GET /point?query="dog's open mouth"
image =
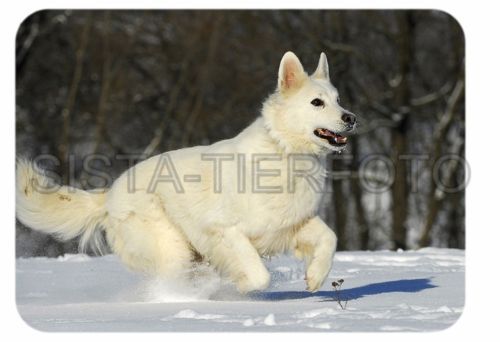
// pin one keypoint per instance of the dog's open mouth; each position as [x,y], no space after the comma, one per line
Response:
[333,139]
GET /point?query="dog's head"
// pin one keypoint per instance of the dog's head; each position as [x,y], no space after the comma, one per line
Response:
[305,111]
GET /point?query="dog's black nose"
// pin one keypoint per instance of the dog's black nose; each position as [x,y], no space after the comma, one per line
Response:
[349,119]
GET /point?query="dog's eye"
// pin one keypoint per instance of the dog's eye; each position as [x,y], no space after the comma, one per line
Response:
[317,103]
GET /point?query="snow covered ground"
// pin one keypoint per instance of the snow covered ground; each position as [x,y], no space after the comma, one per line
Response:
[385,291]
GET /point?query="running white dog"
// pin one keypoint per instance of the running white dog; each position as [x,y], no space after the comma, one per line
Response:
[230,202]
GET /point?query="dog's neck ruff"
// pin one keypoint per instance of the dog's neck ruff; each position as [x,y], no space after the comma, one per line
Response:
[274,136]
[285,141]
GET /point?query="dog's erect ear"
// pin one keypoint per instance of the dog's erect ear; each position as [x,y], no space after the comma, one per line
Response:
[291,74]
[322,69]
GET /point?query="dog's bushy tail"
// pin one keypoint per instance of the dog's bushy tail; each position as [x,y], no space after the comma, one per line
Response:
[64,211]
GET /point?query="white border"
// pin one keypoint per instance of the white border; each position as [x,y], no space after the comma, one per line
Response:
[479,22]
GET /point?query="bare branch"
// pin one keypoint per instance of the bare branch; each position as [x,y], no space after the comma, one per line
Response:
[432,97]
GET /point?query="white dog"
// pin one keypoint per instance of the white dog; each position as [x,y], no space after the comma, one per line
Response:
[230,202]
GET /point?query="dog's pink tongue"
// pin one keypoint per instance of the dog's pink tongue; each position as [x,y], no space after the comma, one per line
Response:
[340,139]
[328,133]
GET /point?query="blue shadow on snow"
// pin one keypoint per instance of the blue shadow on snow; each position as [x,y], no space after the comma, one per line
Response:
[403,285]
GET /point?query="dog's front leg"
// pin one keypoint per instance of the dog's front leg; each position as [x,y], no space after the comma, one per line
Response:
[316,243]
[232,253]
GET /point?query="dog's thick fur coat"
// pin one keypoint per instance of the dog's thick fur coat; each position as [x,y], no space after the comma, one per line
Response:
[162,224]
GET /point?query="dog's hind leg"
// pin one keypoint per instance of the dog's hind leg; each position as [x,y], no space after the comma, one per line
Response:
[151,246]
[140,233]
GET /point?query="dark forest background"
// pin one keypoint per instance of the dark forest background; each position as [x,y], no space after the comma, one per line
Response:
[144,82]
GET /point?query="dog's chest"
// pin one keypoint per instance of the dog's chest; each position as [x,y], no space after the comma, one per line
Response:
[302,199]
[290,199]
[275,224]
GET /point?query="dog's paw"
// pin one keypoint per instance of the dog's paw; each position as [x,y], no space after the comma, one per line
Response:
[254,282]
[298,254]
[316,274]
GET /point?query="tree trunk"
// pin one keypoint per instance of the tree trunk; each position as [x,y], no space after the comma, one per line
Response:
[399,189]
[72,91]
[435,202]
[105,84]
[456,221]
[441,130]
[339,206]
[357,192]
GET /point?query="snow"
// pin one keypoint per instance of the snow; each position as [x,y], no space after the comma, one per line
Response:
[382,291]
